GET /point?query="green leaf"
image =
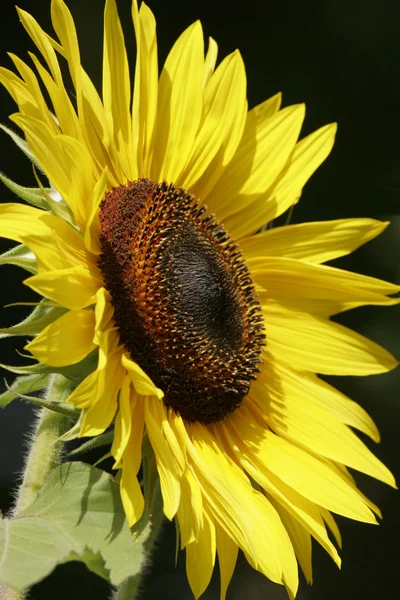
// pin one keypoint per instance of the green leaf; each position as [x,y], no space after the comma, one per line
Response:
[35,322]
[77,515]
[23,385]
[21,143]
[20,256]
[33,196]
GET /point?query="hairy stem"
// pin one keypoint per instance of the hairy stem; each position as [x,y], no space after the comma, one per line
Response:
[44,454]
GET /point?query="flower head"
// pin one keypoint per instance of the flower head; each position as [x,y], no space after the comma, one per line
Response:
[209,330]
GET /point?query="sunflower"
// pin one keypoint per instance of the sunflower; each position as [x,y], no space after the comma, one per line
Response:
[209,329]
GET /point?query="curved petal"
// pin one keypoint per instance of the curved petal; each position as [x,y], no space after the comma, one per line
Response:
[117,90]
[141,381]
[145,96]
[74,287]
[307,156]
[169,468]
[180,104]
[321,346]
[317,242]
[221,129]
[263,153]
[227,552]
[309,476]
[66,341]
[200,557]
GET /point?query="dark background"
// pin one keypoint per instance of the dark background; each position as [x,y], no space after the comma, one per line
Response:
[341,58]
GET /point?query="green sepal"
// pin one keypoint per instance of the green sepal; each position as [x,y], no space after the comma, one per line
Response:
[24,385]
[60,209]
[59,407]
[21,143]
[77,515]
[35,322]
[20,256]
[75,373]
[104,439]
[33,196]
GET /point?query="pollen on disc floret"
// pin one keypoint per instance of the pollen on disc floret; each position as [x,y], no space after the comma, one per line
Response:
[184,302]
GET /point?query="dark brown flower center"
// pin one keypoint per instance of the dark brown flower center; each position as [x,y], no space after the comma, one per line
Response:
[183,299]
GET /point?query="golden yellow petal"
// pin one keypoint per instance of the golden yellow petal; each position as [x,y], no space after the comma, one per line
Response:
[227,490]
[300,539]
[66,341]
[141,381]
[200,557]
[74,287]
[264,150]
[316,242]
[295,417]
[300,286]
[180,104]
[307,156]
[320,346]
[145,96]
[131,493]
[168,467]
[123,421]
[63,107]
[101,412]
[309,476]
[225,111]
[282,381]
[227,552]
[211,60]
[117,90]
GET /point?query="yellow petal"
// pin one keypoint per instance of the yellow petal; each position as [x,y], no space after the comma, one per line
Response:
[85,392]
[144,108]
[141,382]
[227,490]
[300,539]
[200,558]
[316,242]
[169,470]
[299,285]
[179,104]
[101,411]
[103,312]
[40,109]
[280,379]
[263,153]
[227,552]
[131,493]
[210,61]
[301,509]
[317,345]
[66,341]
[64,109]
[190,511]
[307,156]
[117,89]
[295,417]
[225,109]
[73,288]
[55,243]
[92,229]
[123,421]
[312,478]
